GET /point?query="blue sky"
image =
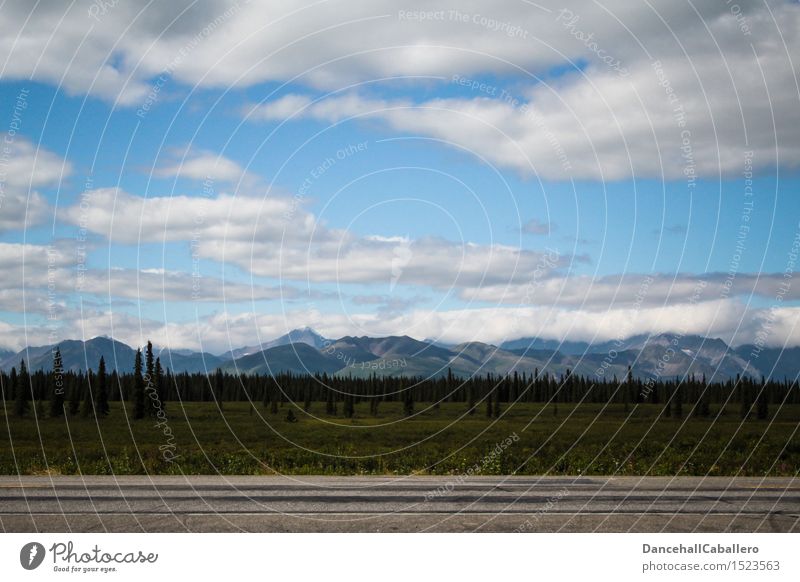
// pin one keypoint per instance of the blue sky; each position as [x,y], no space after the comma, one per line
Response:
[429,177]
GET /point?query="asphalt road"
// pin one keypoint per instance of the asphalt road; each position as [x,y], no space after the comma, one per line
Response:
[401,504]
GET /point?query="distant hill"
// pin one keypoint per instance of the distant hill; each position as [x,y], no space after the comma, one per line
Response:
[303,335]
[298,358]
[665,355]
[76,355]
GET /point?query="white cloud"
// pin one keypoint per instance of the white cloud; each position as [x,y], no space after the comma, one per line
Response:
[727,319]
[23,168]
[276,237]
[730,81]
[204,166]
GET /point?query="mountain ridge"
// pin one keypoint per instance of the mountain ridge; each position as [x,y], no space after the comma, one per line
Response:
[306,351]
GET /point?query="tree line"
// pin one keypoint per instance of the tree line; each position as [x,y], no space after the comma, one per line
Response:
[149,387]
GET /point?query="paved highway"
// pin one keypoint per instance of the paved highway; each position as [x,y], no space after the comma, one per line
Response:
[401,504]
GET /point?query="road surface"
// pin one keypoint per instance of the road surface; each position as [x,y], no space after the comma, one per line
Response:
[400,504]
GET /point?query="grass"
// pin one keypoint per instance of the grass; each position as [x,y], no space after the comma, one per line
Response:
[245,440]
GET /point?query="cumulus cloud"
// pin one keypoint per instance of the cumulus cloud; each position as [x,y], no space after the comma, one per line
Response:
[730,73]
[276,237]
[727,319]
[24,168]
[203,166]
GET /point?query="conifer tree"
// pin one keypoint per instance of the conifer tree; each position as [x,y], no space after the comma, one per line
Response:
[408,402]
[762,406]
[101,404]
[22,400]
[57,386]
[219,386]
[87,406]
[158,383]
[75,393]
[138,395]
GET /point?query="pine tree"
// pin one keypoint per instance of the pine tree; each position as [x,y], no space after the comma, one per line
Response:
[762,407]
[138,388]
[471,398]
[744,398]
[679,400]
[349,406]
[22,400]
[159,385]
[12,379]
[87,406]
[57,386]
[101,405]
[219,386]
[75,393]
[151,403]
[408,403]
[330,406]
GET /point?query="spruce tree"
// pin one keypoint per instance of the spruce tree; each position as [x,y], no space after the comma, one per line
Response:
[219,386]
[12,379]
[138,388]
[158,384]
[744,397]
[349,406]
[57,386]
[75,393]
[408,403]
[330,407]
[101,404]
[762,407]
[151,403]
[22,400]
[87,406]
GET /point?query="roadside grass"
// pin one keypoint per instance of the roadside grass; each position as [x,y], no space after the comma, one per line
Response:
[249,440]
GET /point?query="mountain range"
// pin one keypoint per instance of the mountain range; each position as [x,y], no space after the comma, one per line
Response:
[305,351]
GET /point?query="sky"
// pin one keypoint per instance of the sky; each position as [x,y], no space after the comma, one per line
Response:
[214,174]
